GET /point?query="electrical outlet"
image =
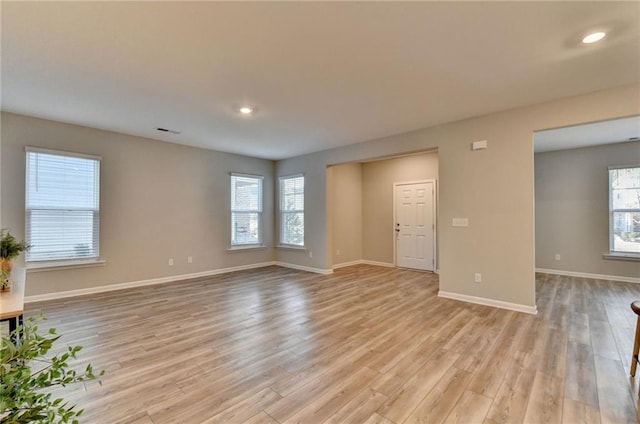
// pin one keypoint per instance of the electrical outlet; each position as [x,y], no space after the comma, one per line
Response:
[189,260]
[170,261]
[338,252]
[557,256]
[477,277]
[310,254]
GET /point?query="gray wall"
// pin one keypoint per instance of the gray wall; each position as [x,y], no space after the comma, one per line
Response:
[347,213]
[493,188]
[572,209]
[161,200]
[158,201]
[378,178]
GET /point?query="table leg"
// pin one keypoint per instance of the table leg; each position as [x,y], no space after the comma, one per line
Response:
[636,349]
[14,323]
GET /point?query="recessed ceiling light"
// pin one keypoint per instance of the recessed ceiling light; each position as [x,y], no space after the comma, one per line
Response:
[246,110]
[593,37]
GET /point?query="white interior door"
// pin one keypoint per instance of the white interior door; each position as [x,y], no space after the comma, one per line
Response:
[415,225]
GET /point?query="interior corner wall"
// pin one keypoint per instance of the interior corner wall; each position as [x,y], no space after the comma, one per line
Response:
[158,201]
[346,213]
[1,172]
[493,188]
[572,209]
[378,178]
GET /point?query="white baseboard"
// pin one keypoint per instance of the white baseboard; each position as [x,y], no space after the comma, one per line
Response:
[588,275]
[489,302]
[350,263]
[376,263]
[364,262]
[305,268]
[141,283]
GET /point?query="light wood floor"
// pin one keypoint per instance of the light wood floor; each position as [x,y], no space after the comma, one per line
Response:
[366,344]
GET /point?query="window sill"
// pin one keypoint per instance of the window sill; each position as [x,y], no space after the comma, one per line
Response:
[60,265]
[634,257]
[245,248]
[291,247]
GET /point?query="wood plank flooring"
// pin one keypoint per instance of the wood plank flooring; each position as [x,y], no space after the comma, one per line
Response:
[364,345]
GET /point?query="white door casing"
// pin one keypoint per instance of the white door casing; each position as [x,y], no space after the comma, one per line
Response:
[414,226]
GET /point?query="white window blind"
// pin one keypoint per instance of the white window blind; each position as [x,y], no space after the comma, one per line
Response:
[292,210]
[624,209]
[246,209]
[62,205]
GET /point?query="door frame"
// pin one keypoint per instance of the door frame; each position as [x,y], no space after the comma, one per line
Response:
[435,220]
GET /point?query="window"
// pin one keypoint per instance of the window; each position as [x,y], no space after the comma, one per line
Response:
[624,210]
[292,210]
[246,210]
[62,205]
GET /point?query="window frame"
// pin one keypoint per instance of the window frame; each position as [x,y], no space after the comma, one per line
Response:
[96,212]
[282,212]
[612,210]
[260,211]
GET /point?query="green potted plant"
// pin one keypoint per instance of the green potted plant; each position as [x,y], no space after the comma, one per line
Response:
[27,374]
[10,248]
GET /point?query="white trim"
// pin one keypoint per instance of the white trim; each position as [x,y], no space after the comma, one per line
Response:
[245,247]
[614,256]
[376,263]
[32,149]
[286,176]
[240,174]
[291,247]
[490,302]
[39,266]
[350,263]
[141,283]
[589,275]
[623,166]
[363,262]
[305,268]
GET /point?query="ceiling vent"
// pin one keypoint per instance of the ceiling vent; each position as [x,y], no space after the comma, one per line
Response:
[167,130]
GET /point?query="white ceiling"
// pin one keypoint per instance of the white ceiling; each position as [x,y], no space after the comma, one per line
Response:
[592,134]
[321,74]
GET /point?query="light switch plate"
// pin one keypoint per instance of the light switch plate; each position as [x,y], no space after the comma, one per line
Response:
[479,145]
[460,222]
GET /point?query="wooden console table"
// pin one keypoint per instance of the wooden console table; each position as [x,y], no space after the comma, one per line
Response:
[12,302]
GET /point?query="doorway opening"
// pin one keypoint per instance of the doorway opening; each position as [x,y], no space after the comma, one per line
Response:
[587,200]
[362,216]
